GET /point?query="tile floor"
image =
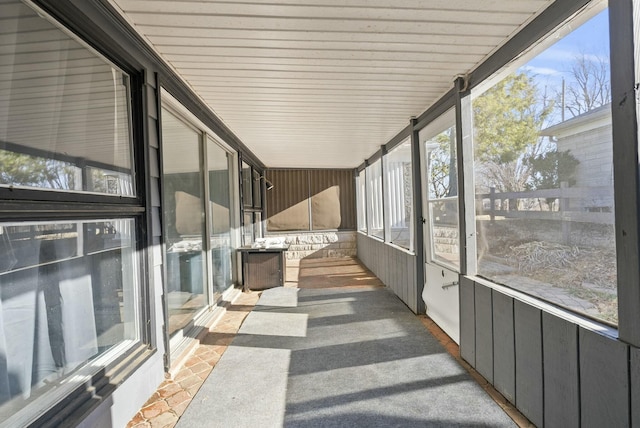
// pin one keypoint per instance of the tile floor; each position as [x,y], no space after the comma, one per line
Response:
[168,403]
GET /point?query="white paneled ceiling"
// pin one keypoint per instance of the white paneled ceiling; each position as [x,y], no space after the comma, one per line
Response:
[323,83]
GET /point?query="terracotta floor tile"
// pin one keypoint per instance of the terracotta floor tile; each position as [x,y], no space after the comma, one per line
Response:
[194,360]
[143,424]
[204,375]
[200,367]
[192,390]
[182,375]
[203,348]
[211,358]
[218,339]
[179,409]
[165,420]
[137,419]
[169,390]
[178,398]
[165,383]
[154,409]
[190,381]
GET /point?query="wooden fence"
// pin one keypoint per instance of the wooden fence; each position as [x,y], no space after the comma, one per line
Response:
[571,205]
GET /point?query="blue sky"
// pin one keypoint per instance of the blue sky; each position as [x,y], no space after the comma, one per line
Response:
[592,38]
[553,64]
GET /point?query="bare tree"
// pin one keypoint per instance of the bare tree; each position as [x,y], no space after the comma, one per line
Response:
[589,85]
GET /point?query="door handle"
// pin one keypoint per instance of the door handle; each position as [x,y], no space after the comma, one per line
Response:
[449,284]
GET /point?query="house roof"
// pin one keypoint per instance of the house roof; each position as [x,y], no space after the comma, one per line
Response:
[596,118]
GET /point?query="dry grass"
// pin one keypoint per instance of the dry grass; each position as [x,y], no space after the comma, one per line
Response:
[586,270]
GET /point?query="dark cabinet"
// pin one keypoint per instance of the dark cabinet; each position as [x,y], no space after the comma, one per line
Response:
[263,267]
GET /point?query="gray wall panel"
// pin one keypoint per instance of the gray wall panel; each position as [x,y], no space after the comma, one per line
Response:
[154,189]
[152,129]
[394,267]
[156,228]
[154,163]
[604,381]
[635,387]
[152,106]
[467,321]
[528,341]
[561,373]
[412,284]
[484,332]
[504,373]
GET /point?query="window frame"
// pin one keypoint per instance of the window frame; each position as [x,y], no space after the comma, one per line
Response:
[24,205]
[389,196]
[437,123]
[371,200]
[524,46]
[180,339]
[361,206]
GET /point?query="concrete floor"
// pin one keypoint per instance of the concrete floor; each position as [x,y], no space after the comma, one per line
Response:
[332,348]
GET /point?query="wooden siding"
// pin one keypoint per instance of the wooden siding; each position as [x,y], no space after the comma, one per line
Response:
[330,194]
[322,179]
[565,375]
[287,202]
[395,268]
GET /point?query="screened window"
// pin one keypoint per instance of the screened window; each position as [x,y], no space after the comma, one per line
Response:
[544,174]
[375,214]
[438,141]
[361,184]
[399,188]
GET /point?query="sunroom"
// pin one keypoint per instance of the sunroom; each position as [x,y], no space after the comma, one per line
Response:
[480,158]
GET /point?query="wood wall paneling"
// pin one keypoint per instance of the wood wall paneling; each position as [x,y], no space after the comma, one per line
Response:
[467,321]
[287,202]
[504,346]
[484,332]
[561,372]
[322,181]
[528,346]
[604,381]
[329,193]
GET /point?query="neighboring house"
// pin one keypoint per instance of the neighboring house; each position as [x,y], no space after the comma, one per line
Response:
[588,138]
